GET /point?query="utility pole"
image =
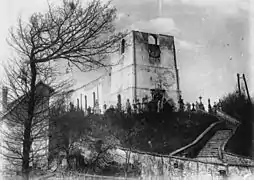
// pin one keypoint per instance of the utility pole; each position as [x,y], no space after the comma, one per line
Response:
[246,87]
[238,83]
[245,84]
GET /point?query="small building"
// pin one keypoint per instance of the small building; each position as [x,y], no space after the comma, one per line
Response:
[12,127]
[145,61]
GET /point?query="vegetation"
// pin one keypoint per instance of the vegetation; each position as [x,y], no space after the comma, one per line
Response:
[161,132]
[74,35]
[145,129]
[239,107]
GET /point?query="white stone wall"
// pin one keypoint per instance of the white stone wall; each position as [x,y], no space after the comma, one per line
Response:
[157,167]
[149,74]
[134,62]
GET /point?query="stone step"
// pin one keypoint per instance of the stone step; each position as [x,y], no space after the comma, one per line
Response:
[212,146]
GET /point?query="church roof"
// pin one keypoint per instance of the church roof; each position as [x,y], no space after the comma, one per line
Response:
[92,83]
[12,105]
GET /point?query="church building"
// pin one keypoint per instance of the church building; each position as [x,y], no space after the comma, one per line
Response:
[144,62]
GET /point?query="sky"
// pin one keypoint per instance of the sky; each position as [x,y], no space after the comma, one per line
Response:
[212,38]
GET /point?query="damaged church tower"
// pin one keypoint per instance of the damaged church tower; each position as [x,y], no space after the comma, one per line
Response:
[145,62]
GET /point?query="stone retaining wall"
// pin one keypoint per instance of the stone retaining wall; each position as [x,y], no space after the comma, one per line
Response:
[236,159]
[157,168]
[163,167]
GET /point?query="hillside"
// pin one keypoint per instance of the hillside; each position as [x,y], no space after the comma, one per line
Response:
[162,132]
[239,107]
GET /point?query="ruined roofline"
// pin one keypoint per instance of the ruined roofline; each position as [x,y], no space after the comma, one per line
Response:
[160,34]
[96,81]
[16,102]
[147,32]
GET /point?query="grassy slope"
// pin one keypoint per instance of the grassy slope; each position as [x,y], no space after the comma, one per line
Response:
[174,132]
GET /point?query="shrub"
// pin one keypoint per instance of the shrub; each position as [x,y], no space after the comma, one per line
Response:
[240,108]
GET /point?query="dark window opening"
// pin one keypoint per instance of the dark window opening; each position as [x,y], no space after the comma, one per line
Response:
[122,50]
[153,49]
[175,165]
[222,172]
[152,39]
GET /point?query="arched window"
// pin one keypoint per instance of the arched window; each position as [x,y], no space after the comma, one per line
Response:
[153,49]
[122,46]
[152,39]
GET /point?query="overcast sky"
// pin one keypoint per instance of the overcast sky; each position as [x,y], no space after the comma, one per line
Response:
[212,37]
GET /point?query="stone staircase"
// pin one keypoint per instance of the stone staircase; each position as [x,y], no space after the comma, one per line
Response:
[212,147]
[209,146]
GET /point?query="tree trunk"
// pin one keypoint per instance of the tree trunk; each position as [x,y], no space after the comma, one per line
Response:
[68,160]
[127,163]
[27,125]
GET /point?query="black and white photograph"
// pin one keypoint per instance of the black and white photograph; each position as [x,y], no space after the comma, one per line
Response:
[127,90]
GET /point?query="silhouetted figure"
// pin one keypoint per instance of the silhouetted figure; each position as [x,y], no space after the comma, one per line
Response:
[163,103]
[119,103]
[105,107]
[89,110]
[128,106]
[71,107]
[144,102]
[193,107]
[181,104]
[201,106]
[215,107]
[209,106]
[138,106]
[134,106]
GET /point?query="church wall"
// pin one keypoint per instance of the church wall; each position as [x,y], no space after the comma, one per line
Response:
[104,90]
[151,70]
[122,80]
[122,60]
[89,94]
[134,72]
[81,93]
[101,87]
[122,75]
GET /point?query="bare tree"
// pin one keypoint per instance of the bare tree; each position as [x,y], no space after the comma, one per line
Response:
[81,37]
[74,134]
[16,114]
